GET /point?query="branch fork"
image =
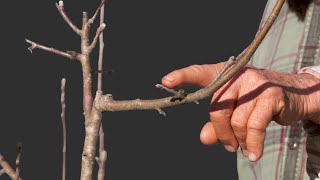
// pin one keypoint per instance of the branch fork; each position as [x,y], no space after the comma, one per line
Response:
[7,169]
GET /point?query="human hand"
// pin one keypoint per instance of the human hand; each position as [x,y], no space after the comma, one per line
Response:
[241,110]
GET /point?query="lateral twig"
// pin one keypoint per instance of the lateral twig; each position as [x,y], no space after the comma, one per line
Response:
[178,95]
[91,20]
[95,39]
[226,66]
[60,8]
[72,56]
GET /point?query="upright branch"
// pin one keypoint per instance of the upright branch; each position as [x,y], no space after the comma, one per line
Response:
[64,129]
[102,164]
[19,152]
[101,160]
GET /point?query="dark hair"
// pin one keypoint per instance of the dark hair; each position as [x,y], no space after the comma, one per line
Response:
[299,7]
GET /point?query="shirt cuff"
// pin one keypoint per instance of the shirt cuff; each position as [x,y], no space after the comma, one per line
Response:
[313,70]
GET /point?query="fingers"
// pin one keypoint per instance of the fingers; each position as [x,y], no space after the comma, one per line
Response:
[208,135]
[195,75]
[256,128]
[239,122]
[220,115]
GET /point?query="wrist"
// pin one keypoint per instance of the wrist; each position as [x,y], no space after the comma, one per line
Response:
[310,96]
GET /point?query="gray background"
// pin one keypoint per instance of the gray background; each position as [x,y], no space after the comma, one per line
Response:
[145,39]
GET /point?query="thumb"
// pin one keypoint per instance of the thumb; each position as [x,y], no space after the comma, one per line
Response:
[208,135]
[195,75]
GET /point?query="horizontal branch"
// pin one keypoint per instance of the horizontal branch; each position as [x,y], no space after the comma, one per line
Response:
[60,8]
[107,103]
[70,54]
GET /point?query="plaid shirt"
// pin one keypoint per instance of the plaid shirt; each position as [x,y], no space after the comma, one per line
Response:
[291,152]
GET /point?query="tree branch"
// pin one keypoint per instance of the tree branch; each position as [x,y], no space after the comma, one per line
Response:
[60,8]
[106,102]
[2,171]
[70,54]
[101,48]
[93,109]
[19,152]
[63,120]
[102,159]
[7,168]
[95,39]
[91,20]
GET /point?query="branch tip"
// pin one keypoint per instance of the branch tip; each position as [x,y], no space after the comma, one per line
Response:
[91,20]
[63,81]
[161,112]
[231,60]
[34,45]
[60,8]
[103,25]
[61,4]
[96,37]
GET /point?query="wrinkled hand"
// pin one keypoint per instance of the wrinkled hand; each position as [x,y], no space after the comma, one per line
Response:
[242,109]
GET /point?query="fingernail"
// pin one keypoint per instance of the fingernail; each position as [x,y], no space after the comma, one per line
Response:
[229,148]
[252,157]
[168,78]
[245,152]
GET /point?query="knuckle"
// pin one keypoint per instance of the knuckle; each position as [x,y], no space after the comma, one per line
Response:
[237,125]
[256,125]
[197,68]
[254,76]
[220,115]
[242,142]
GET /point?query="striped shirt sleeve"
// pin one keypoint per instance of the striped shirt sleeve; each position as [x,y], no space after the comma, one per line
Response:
[314,70]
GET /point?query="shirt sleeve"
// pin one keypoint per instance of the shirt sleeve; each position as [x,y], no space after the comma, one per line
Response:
[314,70]
[313,134]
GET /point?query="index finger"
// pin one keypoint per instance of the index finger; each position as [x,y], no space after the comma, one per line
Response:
[195,75]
